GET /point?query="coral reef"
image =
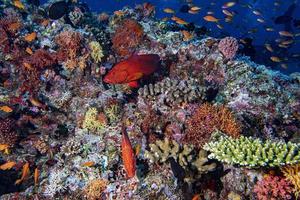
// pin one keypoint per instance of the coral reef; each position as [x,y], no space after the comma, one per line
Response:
[250,152]
[206,119]
[273,187]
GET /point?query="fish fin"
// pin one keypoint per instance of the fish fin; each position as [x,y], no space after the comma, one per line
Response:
[135,76]
[133,84]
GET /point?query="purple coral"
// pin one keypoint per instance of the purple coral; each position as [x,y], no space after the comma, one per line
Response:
[273,187]
[228,47]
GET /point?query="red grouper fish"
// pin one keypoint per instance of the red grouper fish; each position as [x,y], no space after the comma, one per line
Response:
[128,155]
[132,69]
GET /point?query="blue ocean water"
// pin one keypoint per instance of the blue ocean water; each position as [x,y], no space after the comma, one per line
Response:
[244,24]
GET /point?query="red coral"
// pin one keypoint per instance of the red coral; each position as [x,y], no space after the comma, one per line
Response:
[40,59]
[205,120]
[127,37]
[32,67]
[229,47]
[273,188]
[69,44]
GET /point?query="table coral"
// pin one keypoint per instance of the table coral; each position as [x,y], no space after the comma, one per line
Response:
[250,152]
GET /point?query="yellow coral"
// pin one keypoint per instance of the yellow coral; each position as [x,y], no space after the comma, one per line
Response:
[292,174]
[95,189]
[97,51]
[91,121]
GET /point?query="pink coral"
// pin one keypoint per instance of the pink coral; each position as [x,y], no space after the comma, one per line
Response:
[228,47]
[273,188]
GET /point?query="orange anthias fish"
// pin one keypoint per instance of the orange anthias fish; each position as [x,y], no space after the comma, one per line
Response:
[128,155]
[36,176]
[6,109]
[133,69]
[25,173]
[8,165]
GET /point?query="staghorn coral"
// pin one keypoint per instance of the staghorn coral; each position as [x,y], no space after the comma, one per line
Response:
[162,150]
[273,188]
[170,92]
[250,152]
[228,47]
[92,122]
[292,174]
[96,51]
[127,37]
[95,189]
[205,120]
[8,136]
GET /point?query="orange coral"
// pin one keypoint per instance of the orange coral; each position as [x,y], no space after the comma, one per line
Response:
[95,188]
[70,50]
[127,37]
[206,119]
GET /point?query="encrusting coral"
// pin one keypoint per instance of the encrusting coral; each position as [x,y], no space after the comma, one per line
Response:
[208,118]
[250,152]
[292,174]
[273,188]
[162,150]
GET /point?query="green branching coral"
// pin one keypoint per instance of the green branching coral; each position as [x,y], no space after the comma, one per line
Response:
[250,152]
[96,51]
[91,121]
[162,150]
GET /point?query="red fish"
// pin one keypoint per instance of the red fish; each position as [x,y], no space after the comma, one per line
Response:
[128,156]
[132,69]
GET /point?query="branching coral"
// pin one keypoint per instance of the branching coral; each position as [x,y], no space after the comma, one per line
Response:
[292,174]
[127,37]
[162,150]
[206,119]
[250,152]
[273,188]
[92,122]
[95,189]
[96,51]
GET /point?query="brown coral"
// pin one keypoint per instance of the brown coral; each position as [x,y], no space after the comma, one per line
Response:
[95,188]
[127,37]
[8,135]
[206,119]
